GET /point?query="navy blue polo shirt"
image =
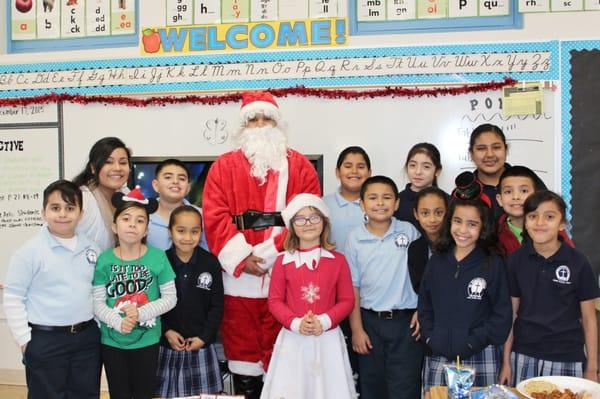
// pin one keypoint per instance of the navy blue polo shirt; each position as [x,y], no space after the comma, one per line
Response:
[407,203]
[550,290]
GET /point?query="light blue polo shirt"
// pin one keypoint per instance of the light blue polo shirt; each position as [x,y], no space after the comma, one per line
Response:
[54,282]
[345,216]
[158,231]
[379,266]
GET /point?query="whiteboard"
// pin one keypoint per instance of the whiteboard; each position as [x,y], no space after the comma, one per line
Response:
[385,127]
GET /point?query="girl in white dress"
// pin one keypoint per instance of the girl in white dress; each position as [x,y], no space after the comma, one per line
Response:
[310,293]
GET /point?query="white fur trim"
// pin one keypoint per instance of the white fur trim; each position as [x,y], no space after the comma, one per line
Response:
[325,321]
[235,251]
[306,257]
[246,285]
[266,250]
[245,368]
[282,183]
[131,199]
[301,201]
[260,107]
[295,325]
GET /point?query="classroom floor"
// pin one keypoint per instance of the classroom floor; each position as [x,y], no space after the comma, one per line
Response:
[20,392]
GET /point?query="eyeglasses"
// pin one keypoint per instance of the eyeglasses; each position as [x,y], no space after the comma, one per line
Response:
[301,220]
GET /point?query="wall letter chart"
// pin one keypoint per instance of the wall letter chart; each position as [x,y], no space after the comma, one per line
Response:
[68,19]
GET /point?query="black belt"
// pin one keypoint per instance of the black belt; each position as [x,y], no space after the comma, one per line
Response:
[391,314]
[75,328]
[257,220]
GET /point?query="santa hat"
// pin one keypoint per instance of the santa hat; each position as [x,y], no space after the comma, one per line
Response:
[120,199]
[301,201]
[259,102]
[469,188]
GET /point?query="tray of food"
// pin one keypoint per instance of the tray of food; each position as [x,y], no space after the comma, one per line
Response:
[559,388]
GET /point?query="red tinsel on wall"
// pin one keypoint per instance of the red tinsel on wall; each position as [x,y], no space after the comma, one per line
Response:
[236,97]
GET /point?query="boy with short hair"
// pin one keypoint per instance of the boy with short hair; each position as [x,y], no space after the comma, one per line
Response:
[172,183]
[383,322]
[515,185]
[48,302]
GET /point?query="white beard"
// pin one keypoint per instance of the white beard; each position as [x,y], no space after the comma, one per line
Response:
[265,148]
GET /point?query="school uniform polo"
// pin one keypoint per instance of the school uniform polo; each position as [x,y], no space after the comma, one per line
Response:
[50,286]
[53,282]
[345,216]
[158,231]
[407,202]
[199,308]
[550,290]
[379,266]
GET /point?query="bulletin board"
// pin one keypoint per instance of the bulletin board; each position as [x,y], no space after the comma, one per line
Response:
[31,152]
[378,17]
[51,25]
[580,65]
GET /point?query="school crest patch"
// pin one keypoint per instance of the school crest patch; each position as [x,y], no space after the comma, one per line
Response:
[91,256]
[563,274]
[204,281]
[402,240]
[476,288]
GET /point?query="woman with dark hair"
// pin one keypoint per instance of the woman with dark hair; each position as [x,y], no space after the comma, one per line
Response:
[105,172]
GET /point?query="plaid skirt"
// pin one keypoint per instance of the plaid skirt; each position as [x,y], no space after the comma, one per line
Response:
[486,363]
[188,373]
[524,367]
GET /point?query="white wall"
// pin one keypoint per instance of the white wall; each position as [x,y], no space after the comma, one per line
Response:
[556,26]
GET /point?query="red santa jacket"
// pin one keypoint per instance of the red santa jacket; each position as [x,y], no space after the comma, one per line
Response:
[231,190]
[509,241]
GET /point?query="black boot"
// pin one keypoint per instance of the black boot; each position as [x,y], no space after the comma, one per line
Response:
[247,385]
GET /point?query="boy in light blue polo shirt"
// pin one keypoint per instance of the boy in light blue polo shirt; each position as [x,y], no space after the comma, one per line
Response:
[48,302]
[353,167]
[172,183]
[383,322]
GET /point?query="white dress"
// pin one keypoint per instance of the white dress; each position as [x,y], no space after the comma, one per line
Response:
[309,367]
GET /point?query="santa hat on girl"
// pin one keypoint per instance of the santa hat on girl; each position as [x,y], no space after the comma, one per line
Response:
[301,201]
[120,200]
[259,102]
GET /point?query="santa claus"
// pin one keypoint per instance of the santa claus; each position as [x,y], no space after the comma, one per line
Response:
[245,191]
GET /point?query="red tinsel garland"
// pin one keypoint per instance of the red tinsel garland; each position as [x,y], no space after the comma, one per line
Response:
[236,97]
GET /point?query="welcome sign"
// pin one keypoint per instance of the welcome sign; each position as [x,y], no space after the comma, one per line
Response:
[245,36]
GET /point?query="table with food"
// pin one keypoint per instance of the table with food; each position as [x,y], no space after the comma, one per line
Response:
[534,388]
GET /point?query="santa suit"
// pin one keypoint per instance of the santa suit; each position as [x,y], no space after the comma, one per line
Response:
[248,329]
